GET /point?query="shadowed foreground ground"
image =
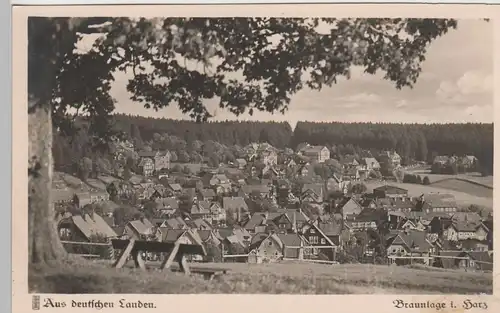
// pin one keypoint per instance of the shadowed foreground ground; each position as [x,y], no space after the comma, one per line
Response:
[260,278]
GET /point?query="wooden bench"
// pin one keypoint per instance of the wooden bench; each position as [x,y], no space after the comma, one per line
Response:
[176,251]
[208,273]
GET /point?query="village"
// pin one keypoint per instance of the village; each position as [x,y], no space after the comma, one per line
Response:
[274,206]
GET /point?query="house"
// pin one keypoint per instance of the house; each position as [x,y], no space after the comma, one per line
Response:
[316,153]
[219,182]
[472,245]
[265,248]
[174,189]
[390,157]
[409,243]
[85,228]
[315,236]
[166,206]
[313,193]
[240,163]
[236,206]
[290,243]
[142,229]
[348,207]
[206,194]
[469,161]
[241,235]
[305,170]
[439,224]
[349,161]
[269,158]
[62,196]
[453,259]
[147,162]
[388,191]
[175,223]
[261,191]
[121,189]
[441,159]
[283,221]
[435,205]
[183,236]
[462,230]
[351,174]
[370,164]
[337,231]
[199,224]
[81,199]
[396,219]
[217,213]
[200,209]
[209,237]
[162,160]
[368,219]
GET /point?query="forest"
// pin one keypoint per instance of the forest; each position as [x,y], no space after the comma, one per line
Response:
[421,142]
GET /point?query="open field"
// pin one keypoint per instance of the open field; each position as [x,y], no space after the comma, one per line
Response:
[464,186]
[462,198]
[473,177]
[296,278]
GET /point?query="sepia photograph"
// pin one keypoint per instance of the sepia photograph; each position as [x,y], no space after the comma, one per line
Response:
[259,155]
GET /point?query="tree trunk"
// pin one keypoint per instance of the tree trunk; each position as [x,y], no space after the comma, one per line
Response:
[43,240]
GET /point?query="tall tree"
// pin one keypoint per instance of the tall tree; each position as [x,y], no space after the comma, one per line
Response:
[303,57]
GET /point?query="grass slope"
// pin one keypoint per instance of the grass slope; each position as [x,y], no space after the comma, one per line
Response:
[286,278]
[465,187]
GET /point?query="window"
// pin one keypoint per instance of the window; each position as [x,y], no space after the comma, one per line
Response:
[313,231]
[313,239]
[323,241]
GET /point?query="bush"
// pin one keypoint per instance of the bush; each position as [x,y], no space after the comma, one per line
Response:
[426,181]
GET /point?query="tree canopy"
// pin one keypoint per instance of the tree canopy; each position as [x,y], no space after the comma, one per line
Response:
[247,64]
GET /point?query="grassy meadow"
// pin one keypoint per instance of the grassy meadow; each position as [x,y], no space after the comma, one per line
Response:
[273,278]
[463,198]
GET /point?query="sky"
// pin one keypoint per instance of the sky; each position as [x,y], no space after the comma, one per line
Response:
[455,86]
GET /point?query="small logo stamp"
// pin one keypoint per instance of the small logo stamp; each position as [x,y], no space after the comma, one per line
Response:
[35,303]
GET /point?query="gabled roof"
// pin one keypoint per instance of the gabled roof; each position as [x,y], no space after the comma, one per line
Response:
[234,203]
[391,189]
[331,229]
[146,154]
[316,188]
[249,189]
[201,207]
[208,193]
[370,161]
[92,226]
[59,195]
[466,226]
[172,235]
[255,220]
[414,240]
[143,227]
[175,187]
[175,223]
[199,223]
[167,203]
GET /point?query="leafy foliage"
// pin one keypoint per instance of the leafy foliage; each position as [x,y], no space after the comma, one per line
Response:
[276,56]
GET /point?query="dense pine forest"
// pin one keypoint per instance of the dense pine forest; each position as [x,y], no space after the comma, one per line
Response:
[412,141]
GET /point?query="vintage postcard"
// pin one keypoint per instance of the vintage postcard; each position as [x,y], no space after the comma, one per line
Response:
[179,153]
